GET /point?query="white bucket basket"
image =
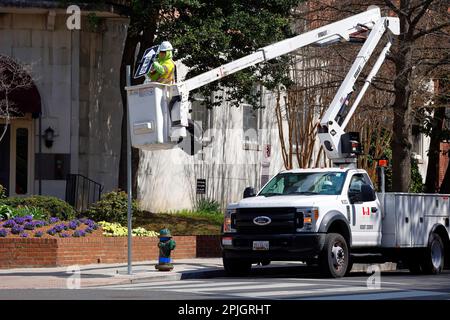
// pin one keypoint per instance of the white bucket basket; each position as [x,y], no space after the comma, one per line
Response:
[149,116]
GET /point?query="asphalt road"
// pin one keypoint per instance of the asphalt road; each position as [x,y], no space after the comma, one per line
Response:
[299,283]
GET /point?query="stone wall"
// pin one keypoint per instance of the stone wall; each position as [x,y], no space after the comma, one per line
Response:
[77,73]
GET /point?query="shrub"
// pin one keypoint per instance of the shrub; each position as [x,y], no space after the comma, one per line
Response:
[207,205]
[5,212]
[48,206]
[2,192]
[112,207]
[3,233]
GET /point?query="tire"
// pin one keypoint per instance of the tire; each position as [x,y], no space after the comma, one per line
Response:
[433,260]
[334,258]
[236,267]
[349,266]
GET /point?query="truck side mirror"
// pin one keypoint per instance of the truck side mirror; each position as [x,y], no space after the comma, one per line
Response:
[367,193]
[249,192]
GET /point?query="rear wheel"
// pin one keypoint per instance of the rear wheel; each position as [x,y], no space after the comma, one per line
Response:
[350,265]
[334,258]
[236,267]
[433,261]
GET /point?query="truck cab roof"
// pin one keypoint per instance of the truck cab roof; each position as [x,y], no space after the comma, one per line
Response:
[321,170]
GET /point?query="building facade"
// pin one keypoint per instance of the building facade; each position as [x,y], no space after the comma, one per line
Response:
[76,74]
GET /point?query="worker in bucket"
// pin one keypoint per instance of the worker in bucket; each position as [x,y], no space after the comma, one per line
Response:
[163,68]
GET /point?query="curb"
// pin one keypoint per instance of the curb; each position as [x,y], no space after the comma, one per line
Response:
[167,276]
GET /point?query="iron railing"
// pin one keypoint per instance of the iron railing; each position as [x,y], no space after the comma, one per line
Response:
[81,191]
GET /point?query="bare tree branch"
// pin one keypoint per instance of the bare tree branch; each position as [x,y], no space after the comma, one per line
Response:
[419,16]
[431,30]
[392,6]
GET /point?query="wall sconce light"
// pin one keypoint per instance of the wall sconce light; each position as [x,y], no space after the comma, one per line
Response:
[49,135]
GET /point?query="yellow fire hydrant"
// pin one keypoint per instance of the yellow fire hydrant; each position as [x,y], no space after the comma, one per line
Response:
[166,245]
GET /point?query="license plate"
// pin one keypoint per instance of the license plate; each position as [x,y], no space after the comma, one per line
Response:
[260,245]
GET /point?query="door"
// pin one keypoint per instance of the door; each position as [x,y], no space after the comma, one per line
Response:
[365,216]
[4,157]
[22,158]
[17,157]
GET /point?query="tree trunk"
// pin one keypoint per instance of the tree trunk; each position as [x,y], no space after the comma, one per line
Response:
[431,182]
[402,127]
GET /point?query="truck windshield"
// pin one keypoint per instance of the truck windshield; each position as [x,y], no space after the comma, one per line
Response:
[305,183]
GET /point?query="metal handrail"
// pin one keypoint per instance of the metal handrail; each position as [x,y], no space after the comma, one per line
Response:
[82,191]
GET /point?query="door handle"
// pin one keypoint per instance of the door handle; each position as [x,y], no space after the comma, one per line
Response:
[406,219]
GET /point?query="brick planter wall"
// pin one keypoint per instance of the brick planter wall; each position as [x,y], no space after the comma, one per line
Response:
[17,253]
[208,247]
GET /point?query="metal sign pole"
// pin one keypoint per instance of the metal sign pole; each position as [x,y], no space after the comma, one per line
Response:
[128,75]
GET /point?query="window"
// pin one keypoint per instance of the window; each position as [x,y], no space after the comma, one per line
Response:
[305,183]
[417,142]
[357,181]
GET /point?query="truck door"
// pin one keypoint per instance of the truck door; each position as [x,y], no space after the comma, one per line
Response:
[365,217]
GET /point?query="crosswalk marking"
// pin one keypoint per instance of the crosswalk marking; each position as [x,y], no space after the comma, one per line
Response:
[172,286]
[295,293]
[291,289]
[240,287]
[379,296]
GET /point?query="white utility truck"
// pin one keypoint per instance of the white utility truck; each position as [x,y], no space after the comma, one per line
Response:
[326,216]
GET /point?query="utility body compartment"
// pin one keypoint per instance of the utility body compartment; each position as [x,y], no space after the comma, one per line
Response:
[408,219]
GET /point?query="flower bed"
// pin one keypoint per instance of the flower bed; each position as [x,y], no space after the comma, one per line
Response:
[25,242]
[27,227]
[51,252]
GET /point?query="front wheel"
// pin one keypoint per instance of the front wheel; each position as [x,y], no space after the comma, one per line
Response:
[236,267]
[433,261]
[334,258]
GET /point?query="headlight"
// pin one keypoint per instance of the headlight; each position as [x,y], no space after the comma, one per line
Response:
[310,216]
[229,219]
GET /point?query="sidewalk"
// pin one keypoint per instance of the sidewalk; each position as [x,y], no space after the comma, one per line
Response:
[107,274]
[113,274]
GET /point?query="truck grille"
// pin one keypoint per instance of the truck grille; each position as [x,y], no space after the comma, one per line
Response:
[283,220]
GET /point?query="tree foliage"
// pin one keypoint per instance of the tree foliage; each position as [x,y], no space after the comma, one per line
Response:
[208,34]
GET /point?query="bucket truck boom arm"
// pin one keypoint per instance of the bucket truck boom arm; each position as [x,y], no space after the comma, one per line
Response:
[336,117]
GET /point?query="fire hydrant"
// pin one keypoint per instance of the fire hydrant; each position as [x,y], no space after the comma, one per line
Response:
[166,245]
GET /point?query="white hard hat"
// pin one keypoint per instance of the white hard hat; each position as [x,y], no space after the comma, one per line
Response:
[165,46]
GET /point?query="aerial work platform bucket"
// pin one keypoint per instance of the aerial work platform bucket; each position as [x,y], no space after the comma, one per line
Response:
[149,116]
